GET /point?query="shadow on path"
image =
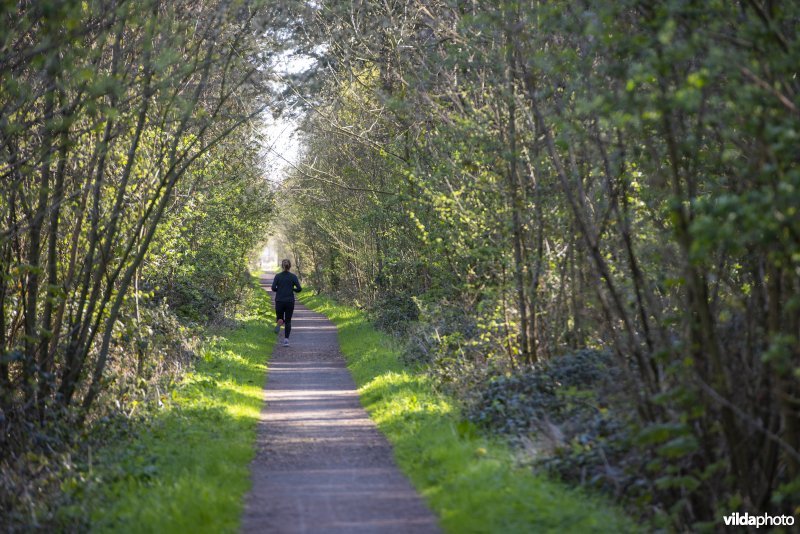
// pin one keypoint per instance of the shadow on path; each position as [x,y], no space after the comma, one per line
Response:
[321,463]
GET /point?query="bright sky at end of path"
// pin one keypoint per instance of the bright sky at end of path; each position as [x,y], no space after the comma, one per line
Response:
[283,146]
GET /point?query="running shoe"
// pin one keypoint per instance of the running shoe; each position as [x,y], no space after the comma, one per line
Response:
[285,342]
[278,326]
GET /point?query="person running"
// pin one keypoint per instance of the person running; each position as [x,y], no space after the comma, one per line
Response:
[285,285]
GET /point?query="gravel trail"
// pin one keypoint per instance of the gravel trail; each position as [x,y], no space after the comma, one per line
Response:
[321,464]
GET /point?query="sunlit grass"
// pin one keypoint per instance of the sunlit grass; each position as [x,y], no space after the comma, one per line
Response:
[189,470]
[470,481]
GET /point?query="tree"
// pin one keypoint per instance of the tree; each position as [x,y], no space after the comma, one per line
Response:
[109,109]
[612,175]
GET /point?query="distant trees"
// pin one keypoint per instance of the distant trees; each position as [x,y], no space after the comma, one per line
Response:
[560,175]
[121,145]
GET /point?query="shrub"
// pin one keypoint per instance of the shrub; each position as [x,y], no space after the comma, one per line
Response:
[443,335]
[565,416]
[48,463]
[394,313]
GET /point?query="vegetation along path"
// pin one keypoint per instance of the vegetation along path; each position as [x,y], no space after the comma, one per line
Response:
[321,464]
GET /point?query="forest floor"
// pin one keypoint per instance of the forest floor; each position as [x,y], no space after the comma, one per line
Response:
[214,458]
[321,464]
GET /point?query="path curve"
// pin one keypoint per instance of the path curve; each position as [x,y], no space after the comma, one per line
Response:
[321,464]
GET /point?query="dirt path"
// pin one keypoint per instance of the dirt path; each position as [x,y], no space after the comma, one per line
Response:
[321,464]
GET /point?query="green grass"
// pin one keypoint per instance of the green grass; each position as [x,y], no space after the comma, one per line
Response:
[190,471]
[470,481]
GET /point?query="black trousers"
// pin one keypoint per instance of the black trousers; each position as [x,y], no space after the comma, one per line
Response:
[284,310]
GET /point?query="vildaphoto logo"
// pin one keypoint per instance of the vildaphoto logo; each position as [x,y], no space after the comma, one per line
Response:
[764,520]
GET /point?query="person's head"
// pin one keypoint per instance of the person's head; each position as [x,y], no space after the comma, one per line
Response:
[286,265]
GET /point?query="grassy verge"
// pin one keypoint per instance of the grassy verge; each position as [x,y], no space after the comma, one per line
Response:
[471,482]
[188,470]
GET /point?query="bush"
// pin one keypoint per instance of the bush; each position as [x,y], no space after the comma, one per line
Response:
[47,465]
[394,313]
[565,416]
[441,335]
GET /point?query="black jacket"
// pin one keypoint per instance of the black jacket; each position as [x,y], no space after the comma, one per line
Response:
[285,284]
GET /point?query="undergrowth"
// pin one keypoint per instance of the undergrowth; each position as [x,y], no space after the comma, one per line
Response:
[187,469]
[471,481]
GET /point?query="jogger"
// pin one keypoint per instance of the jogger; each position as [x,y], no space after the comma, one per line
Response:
[285,285]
